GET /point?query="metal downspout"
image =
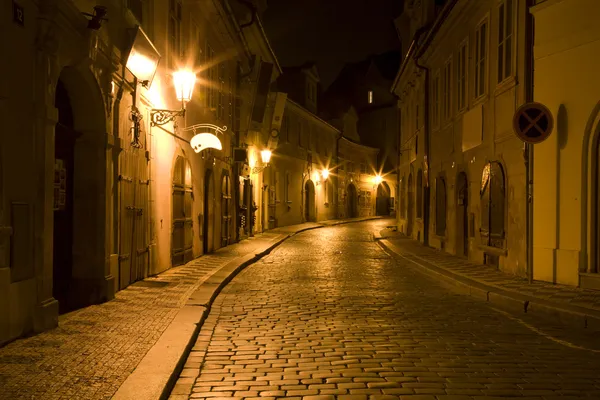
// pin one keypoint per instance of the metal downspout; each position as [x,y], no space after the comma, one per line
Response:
[529,78]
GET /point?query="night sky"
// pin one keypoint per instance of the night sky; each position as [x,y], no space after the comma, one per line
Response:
[330,32]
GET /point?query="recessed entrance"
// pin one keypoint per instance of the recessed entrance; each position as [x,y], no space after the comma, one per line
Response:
[462,215]
[351,201]
[209,218]
[309,201]
[383,199]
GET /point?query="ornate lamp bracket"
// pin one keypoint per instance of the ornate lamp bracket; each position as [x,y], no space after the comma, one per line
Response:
[162,117]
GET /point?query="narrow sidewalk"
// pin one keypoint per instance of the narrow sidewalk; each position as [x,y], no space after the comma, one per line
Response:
[144,331]
[571,305]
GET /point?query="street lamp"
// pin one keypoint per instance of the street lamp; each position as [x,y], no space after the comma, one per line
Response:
[325,174]
[378,179]
[184,81]
[265,156]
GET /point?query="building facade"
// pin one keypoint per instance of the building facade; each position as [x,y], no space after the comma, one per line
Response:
[462,170]
[565,179]
[117,192]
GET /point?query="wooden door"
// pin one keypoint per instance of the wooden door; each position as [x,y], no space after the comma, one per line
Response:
[133,217]
[182,233]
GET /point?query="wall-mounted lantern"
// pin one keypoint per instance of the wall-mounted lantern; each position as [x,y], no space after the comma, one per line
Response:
[143,58]
[325,174]
[184,82]
[377,179]
[265,156]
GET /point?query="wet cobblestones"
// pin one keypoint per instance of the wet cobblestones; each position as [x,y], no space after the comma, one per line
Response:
[329,315]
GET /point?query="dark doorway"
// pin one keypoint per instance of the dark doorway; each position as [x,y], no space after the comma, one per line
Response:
[64,154]
[383,199]
[410,206]
[209,218]
[225,211]
[309,201]
[462,215]
[351,201]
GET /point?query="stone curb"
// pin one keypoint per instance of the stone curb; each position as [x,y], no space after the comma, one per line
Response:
[515,302]
[156,375]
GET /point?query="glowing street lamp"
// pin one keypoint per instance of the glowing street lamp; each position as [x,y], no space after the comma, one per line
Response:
[265,156]
[184,82]
[378,179]
[325,174]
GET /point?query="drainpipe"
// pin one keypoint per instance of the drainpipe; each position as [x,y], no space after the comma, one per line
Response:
[529,77]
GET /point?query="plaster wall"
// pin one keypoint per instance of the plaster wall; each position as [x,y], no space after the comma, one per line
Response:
[567,51]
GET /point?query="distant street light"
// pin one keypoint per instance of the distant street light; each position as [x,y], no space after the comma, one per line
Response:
[378,179]
[325,174]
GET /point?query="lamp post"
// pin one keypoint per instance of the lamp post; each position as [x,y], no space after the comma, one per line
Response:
[184,81]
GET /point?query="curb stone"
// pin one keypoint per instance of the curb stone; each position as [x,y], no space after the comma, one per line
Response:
[509,301]
[155,376]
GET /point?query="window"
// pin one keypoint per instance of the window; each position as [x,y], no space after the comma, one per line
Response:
[221,92]
[137,9]
[440,207]
[505,33]
[370,97]
[231,99]
[435,103]
[492,205]
[363,168]
[210,91]
[447,91]
[300,135]
[462,77]
[285,129]
[420,194]
[480,59]
[174,30]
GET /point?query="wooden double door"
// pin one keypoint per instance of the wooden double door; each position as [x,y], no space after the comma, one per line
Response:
[134,237]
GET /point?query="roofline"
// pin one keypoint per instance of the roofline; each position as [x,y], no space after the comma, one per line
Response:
[372,149]
[313,115]
[264,35]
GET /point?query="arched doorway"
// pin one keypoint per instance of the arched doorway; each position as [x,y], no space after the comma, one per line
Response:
[183,223]
[383,199]
[309,201]
[351,201]
[225,211]
[64,154]
[462,215]
[79,268]
[208,214]
[410,206]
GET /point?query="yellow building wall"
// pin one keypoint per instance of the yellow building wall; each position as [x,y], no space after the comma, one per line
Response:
[567,54]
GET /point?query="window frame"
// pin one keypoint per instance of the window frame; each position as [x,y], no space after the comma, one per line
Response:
[447,91]
[435,103]
[462,76]
[481,63]
[174,38]
[505,37]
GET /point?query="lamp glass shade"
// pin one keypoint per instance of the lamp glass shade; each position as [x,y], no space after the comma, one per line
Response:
[184,82]
[265,155]
[325,174]
[378,179]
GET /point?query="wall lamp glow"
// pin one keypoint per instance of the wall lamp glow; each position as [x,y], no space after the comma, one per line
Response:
[378,179]
[265,156]
[325,174]
[184,82]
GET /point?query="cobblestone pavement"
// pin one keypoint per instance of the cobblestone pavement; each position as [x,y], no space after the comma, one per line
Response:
[94,349]
[413,250]
[329,314]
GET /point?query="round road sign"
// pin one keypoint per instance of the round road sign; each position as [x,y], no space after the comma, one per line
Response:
[533,122]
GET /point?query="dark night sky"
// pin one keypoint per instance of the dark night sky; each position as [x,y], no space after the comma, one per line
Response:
[330,32]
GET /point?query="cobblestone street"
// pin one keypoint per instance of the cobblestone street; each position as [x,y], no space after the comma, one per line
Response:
[329,314]
[94,349]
